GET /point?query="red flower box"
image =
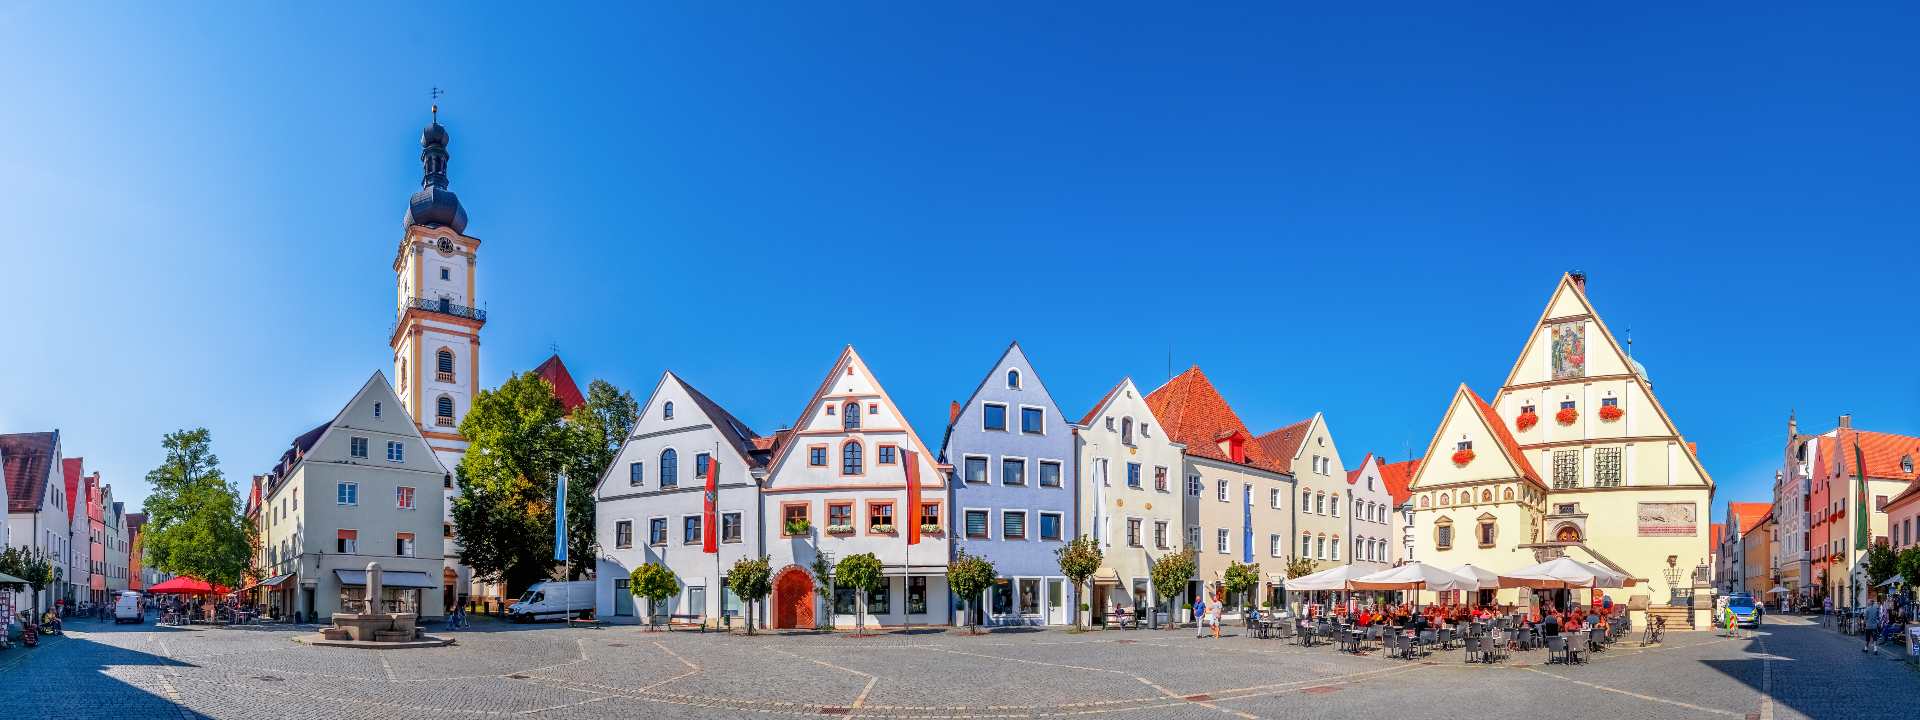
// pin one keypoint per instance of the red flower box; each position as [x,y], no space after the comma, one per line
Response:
[1611,413]
[1462,457]
[1526,420]
[1566,416]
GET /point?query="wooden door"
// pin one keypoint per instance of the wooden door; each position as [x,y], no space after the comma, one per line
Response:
[793,599]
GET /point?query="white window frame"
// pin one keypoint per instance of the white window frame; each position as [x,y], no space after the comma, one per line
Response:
[1006,417]
[1043,420]
[986,478]
[1062,474]
[1059,521]
[666,532]
[1220,490]
[351,490]
[1223,541]
[1026,470]
[357,447]
[616,533]
[988,524]
[1026,531]
[1274,545]
[410,493]
[396,451]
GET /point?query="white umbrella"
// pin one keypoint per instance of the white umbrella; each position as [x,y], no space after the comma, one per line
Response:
[1778,590]
[1560,573]
[1414,576]
[1334,578]
[1488,579]
[1895,580]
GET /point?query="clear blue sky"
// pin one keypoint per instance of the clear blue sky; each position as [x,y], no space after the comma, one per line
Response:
[1348,213]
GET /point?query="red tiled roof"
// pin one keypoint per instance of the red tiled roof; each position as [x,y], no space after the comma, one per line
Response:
[1398,477]
[1193,412]
[73,468]
[1882,451]
[556,374]
[1715,531]
[1095,411]
[28,460]
[1284,443]
[1353,476]
[1750,514]
[1504,438]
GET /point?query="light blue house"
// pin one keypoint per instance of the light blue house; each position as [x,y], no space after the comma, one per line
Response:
[1013,500]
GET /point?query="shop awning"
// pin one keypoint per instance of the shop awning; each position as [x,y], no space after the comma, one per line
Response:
[274,581]
[388,578]
[1105,576]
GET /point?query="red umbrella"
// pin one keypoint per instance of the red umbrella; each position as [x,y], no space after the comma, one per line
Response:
[187,586]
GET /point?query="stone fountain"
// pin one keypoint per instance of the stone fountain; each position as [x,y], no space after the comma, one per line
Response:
[374,627]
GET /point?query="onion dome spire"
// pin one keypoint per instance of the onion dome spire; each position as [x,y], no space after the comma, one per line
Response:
[434,204]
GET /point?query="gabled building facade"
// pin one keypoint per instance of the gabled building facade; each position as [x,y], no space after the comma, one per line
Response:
[1237,499]
[1372,522]
[650,506]
[1858,475]
[837,484]
[1792,511]
[1306,448]
[1013,494]
[39,510]
[1128,499]
[1733,557]
[1476,499]
[1398,477]
[362,487]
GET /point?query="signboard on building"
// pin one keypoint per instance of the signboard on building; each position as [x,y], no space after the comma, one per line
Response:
[1668,519]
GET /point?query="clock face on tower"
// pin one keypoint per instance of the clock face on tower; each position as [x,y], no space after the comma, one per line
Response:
[446,245]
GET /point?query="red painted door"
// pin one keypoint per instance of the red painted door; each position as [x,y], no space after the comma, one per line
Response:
[793,600]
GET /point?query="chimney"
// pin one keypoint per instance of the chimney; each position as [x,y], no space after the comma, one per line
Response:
[1846,420]
[953,412]
[1579,280]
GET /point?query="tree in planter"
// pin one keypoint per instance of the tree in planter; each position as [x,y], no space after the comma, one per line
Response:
[752,580]
[1170,574]
[1080,558]
[1240,579]
[969,576]
[822,569]
[31,564]
[656,583]
[863,573]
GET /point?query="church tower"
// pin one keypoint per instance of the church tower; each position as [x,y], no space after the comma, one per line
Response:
[436,340]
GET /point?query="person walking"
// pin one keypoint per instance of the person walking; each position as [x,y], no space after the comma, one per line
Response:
[1872,615]
[1200,616]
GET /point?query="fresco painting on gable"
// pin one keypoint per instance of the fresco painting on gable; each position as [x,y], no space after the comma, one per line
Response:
[1569,350]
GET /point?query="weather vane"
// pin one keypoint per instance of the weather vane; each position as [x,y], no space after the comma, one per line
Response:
[435,93]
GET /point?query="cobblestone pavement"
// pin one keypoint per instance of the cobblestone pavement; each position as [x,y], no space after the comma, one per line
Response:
[1789,669]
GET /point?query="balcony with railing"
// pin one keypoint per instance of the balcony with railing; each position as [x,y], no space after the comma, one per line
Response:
[445,306]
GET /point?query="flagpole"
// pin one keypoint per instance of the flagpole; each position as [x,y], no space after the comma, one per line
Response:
[713,471]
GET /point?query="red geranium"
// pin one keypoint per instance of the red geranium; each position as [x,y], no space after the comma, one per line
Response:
[1526,420]
[1462,457]
[1611,413]
[1566,416]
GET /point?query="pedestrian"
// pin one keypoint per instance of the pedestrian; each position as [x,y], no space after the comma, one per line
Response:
[1872,617]
[1200,616]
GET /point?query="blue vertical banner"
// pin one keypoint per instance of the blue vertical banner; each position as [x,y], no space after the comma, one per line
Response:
[1246,524]
[560,519]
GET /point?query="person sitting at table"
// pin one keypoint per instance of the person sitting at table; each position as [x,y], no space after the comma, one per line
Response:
[1549,625]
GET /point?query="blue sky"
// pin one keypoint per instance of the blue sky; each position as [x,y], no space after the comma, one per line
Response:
[1347,213]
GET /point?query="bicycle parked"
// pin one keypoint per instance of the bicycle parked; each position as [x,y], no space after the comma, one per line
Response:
[1656,628]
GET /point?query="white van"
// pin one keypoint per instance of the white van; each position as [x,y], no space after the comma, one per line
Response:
[553,599]
[126,608]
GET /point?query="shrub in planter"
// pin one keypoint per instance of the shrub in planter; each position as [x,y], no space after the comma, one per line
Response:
[929,528]
[1462,457]
[1611,413]
[1566,416]
[1526,420]
[798,527]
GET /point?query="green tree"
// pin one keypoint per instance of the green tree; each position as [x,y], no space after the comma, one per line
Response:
[1880,564]
[195,527]
[517,448]
[1170,573]
[752,580]
[864,573]
[822,571]
[968,576]
[656,583]
[31,564]
[1079,559]
[1299,567]
[1240,580]
[1908,564]
[599,427]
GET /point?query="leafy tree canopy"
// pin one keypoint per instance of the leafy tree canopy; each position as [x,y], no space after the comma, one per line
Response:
[1080,558]
[517,449]
[195,527]
[1170,573]
[1298,567]
[860,571]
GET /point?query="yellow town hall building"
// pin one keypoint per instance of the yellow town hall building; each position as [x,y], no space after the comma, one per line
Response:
[1573,456]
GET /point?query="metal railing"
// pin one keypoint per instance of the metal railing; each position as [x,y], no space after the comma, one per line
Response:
[447,307]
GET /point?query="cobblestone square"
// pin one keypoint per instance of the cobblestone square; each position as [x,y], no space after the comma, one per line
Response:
[1785,670]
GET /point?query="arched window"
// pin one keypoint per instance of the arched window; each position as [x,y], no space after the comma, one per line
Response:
[669,468]
[443,410]
[850,458]
[1486,496]
[1126,431]
[666,411]
[1013,379]
[1509,494]
[850,416]
[443,365]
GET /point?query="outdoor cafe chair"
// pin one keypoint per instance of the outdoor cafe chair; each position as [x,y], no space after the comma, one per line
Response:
[1556,648]
[1596,637]
[1286,629]
[1577,649]
[1395,642]
[1444,636]
[1475,649]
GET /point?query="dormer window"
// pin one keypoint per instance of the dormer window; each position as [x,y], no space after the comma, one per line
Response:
[1906,464]
[1013,379]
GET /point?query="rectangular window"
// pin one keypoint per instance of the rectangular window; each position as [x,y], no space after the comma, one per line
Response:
[730,527]
[657,531]
[1193,485]
[1013,471]
[1566,469]
[1334,507]
[1334,546]
[446,530]
[839,517]
[1443,537]
[700,461]
[347,493]
[1100,469]
[1606,467]
[879,517]
[635,474]
[1320,548]
[1306,546]
[1133,532]
[1013,524]
[1273,498]
[347,541]
[1220,490]
[1133,475]
[880,602]
[1880,503]
[977,524]
[917,595]
[357,447]
[396,452]
[817,455]
[887,454]
[1220,541]
[976,470]
[1193,537]
[1273,545]
[930,517]
[791,515]
[845,601]
[1049,473]
[403,497]
[690,532]
[1160,478]
[1033,421]
[403,544]
[1486,534]
[1049,526]
[623,534]
[993,416]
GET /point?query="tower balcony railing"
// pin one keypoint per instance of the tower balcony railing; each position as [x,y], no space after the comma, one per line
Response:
[447,307]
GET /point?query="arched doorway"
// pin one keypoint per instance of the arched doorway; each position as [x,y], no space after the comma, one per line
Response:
[1567,534]
[448,581]
[793,599]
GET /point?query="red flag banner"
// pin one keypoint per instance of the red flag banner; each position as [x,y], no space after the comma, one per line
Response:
[709,524]
[913,498]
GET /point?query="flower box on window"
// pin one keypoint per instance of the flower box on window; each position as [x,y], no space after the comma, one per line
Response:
[798,527]
[1462,457]
[884,528]
[1611,413]
[1566,416]
[839,529]
[1526,420]
[930,528]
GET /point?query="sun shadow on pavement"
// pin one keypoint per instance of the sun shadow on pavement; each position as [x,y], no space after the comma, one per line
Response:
[75,675]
